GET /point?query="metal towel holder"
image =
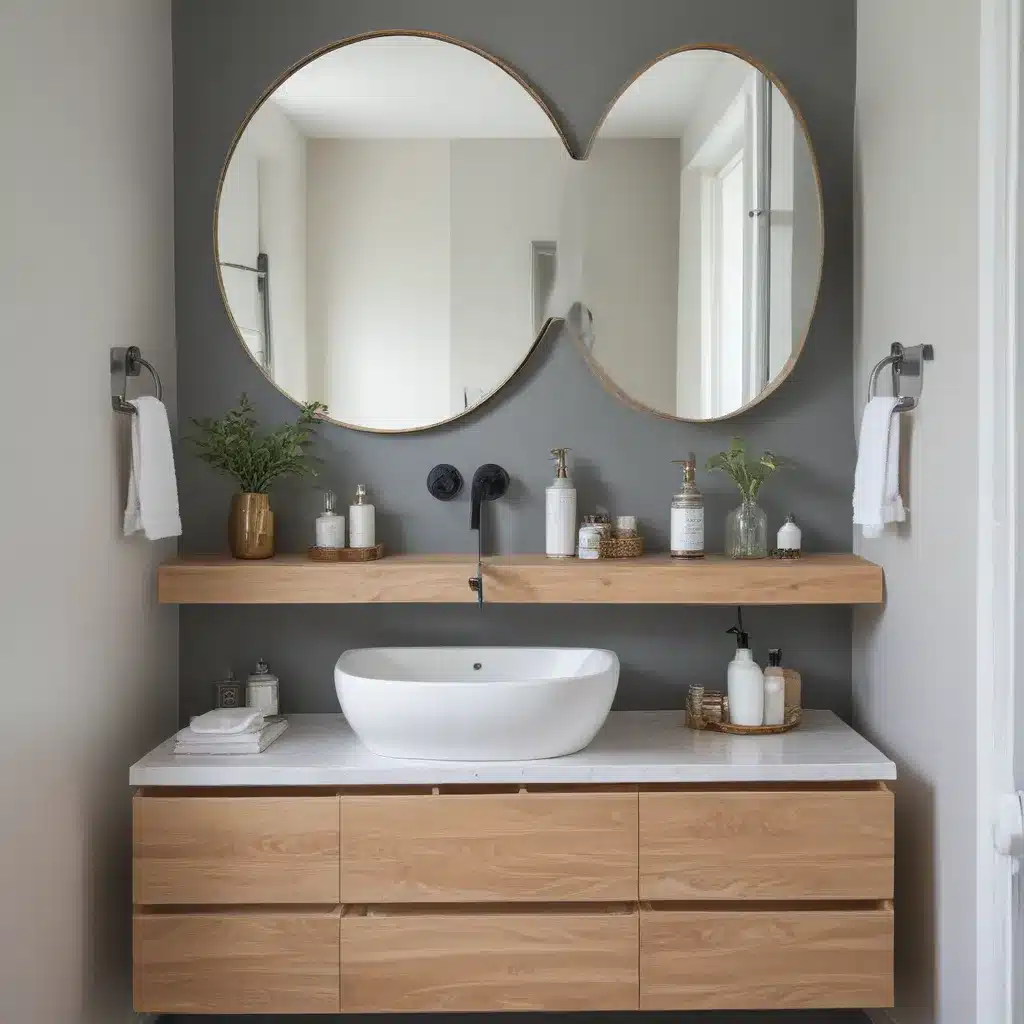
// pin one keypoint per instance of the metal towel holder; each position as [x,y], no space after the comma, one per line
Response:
[907,373]
[125,363]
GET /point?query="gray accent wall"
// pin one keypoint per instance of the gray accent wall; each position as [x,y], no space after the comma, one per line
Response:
[578,53]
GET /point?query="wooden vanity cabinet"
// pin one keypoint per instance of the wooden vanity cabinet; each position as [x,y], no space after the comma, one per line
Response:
[488,899]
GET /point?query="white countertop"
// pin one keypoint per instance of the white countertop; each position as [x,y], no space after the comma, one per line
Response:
[633,747]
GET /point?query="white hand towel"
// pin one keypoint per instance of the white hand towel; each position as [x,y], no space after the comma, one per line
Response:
[152,485]
[876,483]
[227,722]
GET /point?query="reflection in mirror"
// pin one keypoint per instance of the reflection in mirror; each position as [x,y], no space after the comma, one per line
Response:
[698,237]
[386,230]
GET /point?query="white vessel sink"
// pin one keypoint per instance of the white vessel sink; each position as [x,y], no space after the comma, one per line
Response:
[476,703]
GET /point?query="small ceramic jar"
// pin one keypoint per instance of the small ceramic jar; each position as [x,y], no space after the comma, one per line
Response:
[590,539]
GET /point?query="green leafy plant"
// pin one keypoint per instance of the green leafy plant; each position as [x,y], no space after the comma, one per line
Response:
[233,445]
[747,473]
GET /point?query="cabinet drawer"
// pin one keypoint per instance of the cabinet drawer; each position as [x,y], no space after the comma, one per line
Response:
[455,848]
[235,850]
[423,962]
[767,844]
[236,962]
[765,959]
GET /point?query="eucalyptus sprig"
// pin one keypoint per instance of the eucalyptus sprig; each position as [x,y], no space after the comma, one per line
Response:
[747,473]
[234,446]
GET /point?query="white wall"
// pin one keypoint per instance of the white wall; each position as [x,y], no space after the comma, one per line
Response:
[505,194]
[914,661]
[89,659]
[379,243]
[631,261]
[263,209]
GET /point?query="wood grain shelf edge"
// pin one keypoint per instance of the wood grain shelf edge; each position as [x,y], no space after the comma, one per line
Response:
[522,579]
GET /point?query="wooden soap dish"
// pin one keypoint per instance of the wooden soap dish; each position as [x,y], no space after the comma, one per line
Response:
[346,554]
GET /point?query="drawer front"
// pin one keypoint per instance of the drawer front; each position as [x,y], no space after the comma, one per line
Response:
[217,850]
[767,845]
[765,959]
[491,847]
[237,962]
[411,962]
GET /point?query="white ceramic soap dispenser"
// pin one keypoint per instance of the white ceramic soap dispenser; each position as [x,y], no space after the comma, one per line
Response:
[362,527]
[330,527]
[745,684]
[560,511]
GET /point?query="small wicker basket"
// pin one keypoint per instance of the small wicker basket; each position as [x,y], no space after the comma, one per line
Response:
[622,547]
[708,710]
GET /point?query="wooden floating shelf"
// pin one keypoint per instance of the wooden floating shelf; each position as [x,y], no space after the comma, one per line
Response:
[522,579]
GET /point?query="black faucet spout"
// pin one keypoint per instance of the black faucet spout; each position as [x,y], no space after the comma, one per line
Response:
[490,482]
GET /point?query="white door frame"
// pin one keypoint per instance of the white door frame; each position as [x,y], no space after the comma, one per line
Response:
[999,421]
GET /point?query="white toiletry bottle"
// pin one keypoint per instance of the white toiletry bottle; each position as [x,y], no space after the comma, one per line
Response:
[745,684]
[787,543]
[330,527]
[560,511]
[362,529]
[774,689]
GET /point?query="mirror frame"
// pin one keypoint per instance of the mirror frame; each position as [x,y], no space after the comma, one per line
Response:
[598,370]
[509,70]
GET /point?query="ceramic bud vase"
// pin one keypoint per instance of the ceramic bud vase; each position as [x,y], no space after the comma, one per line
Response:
[746,531]
[251,526]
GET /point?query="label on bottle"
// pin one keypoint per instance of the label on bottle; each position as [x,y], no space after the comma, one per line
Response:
[687,530]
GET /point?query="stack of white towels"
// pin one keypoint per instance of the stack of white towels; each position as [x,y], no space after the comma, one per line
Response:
[229,731]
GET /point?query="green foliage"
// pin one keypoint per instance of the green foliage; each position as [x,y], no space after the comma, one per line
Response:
[233,446]
[747,473]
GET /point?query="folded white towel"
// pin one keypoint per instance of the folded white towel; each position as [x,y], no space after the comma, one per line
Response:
[152,485]
[188,742]
[876,482]
[227,722]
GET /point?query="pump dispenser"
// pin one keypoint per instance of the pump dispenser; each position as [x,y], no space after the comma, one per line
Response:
[330,527]
[687,520]
[362,521]
[774,689]
[560,510]
[745,683]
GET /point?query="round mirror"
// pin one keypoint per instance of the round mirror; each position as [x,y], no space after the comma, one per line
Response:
[697,246]
[385,230]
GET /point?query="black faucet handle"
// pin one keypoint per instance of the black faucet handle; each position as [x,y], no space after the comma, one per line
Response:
[444,482]
[490,482]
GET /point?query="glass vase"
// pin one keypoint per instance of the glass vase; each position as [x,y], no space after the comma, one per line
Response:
[746,531]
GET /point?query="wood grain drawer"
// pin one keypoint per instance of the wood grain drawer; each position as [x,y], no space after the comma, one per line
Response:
[765,959]
[237,962]
[467,848]
[217,849]
[785,844]
[424,962]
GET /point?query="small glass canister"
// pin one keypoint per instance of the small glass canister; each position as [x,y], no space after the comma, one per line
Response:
[262,690]
[590,538]
[625,526]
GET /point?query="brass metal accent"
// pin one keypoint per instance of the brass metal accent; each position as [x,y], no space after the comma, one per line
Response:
[251,526]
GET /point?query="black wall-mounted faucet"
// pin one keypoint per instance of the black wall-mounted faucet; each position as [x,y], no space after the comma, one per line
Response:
[490,482]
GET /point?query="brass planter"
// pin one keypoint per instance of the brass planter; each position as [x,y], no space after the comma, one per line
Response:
[251,526]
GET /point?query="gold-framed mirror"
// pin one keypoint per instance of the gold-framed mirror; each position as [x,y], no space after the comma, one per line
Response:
[385,229]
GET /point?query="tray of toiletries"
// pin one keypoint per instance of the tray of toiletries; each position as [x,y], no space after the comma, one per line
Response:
[708,711]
